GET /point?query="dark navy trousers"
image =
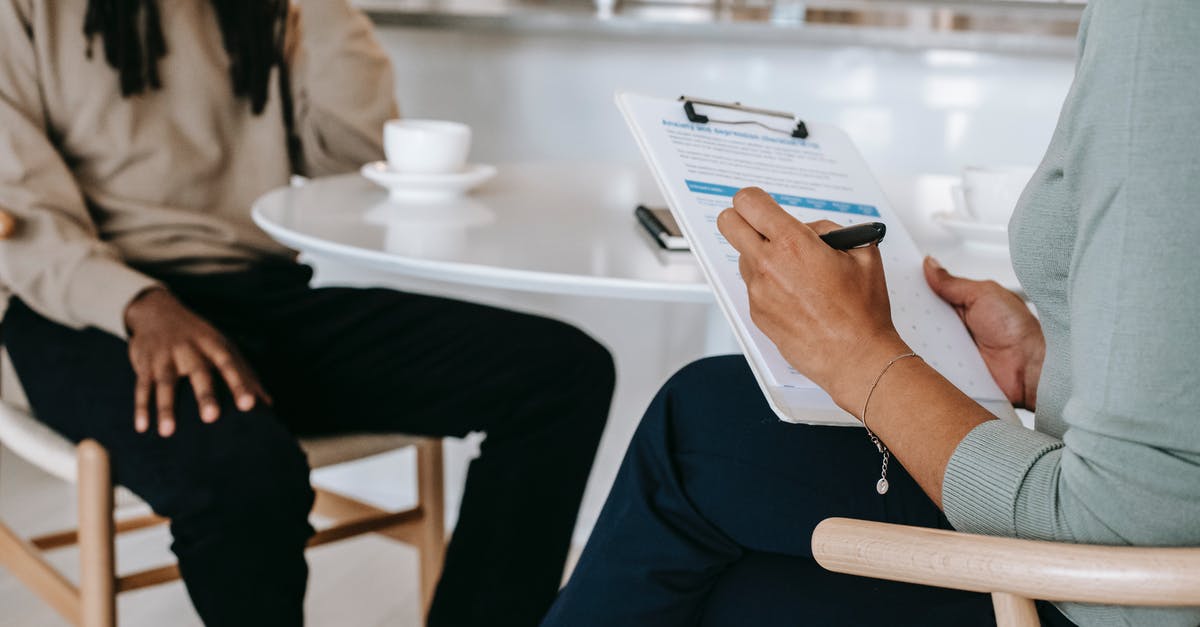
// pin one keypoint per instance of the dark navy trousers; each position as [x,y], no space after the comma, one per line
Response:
[339,360]
[710,521]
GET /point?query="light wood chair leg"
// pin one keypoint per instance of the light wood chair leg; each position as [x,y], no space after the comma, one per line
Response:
[29,567]
[431,488]
[1014,611]
[97,581]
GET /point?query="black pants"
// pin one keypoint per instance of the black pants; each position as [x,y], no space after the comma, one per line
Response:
[711,518]
[343,360]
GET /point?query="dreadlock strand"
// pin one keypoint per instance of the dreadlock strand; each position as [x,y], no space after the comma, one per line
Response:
[129,49]
[107,21]
[260,47]
[249,34]
[91,25]
[229,37]
[156,46]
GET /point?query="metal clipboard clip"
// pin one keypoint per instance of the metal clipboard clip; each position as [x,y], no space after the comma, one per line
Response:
[799,131]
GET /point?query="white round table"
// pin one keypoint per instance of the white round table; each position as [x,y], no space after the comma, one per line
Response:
[565,229]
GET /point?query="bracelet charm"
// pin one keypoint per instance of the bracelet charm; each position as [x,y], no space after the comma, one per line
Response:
[882,485]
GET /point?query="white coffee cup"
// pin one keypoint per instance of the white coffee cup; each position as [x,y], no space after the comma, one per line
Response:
[426,146]
[990,193]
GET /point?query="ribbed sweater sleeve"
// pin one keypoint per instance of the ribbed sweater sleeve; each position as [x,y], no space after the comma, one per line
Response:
[996,470]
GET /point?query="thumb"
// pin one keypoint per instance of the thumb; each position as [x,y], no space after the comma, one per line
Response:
[957,291]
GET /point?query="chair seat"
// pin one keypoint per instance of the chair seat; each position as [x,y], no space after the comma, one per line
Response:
[43,447]
[337,449]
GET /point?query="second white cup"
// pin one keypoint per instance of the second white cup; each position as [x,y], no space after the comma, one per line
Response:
[991,193]
[426,146]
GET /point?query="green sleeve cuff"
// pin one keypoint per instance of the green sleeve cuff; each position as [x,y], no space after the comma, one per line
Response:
[1001,481]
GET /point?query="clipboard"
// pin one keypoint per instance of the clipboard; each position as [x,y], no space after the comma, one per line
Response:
[798,129]
[703,151]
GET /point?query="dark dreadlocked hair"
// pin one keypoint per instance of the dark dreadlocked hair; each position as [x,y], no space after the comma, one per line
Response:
[252,31]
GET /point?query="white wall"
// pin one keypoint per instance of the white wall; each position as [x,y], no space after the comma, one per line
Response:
[549,97]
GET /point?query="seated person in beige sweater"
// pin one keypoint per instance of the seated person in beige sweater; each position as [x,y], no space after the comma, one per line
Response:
[145,310]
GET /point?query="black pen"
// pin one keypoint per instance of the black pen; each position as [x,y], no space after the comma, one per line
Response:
[855,236]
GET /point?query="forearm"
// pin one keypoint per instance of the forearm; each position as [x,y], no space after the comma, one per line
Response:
[71,280]
[52,256]
[919,415]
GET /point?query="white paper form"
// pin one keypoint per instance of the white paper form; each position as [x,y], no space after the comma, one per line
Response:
[701,166]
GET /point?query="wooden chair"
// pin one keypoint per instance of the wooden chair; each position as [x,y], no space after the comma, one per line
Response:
[93,602]
[1014,572]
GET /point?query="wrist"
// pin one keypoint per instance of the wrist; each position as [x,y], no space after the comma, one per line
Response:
[861,366]
[145,305]
[1030,377]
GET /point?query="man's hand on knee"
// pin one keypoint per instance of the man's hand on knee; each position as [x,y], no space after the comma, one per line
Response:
[168,343]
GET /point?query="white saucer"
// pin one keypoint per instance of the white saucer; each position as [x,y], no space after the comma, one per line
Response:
[409,186]
[973,232]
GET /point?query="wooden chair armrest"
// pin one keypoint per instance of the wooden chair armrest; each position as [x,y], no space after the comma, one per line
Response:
[1050,571]
[8,224]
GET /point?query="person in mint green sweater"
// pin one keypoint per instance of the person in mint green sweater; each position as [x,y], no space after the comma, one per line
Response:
[711,517]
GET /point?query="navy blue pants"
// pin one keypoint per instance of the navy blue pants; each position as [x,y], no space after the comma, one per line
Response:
[711,517]
[340,360]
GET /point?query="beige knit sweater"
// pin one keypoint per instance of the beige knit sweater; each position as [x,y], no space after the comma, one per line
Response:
[164,179]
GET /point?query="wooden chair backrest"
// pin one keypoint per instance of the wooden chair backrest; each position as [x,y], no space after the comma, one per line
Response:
[1013,571]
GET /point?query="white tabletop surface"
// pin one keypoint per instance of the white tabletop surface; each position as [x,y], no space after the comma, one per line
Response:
[550,227]
[539,227]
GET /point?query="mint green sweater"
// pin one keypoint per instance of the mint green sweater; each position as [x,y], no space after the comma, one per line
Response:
[1106,242]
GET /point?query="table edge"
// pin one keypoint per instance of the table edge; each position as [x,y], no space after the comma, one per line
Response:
[482,275]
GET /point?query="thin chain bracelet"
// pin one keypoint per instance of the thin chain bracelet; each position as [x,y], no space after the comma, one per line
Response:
[881,486]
